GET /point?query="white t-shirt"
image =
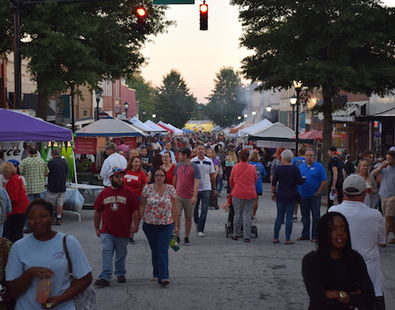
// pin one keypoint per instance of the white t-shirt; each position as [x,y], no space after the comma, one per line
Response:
[113,161]
[367,231]
[206,167]
[30,252]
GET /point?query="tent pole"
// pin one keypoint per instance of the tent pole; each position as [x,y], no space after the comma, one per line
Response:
[74,164]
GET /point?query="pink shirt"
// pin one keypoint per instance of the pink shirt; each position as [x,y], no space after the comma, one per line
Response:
[242,181]
[158,208]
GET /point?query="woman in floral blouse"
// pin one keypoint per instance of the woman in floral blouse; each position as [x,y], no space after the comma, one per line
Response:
[160,216]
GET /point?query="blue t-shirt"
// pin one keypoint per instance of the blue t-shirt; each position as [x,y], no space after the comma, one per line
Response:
[261,173]
[314,174]
[297,161]
[30,252]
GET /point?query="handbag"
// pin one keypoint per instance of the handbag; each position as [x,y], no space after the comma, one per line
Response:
[85,300]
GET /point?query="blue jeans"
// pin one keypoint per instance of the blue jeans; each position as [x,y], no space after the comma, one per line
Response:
[282,210]
[34,196]
[310,204]
[220,183]
[159,238]
[204,196]
[110,245]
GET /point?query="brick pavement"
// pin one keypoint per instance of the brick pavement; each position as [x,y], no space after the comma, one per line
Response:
[215,272]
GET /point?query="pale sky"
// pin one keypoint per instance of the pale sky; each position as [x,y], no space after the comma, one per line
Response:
[198,55]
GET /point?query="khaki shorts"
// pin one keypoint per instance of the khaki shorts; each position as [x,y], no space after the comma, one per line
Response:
[186,205]
[388,206]
[55,198]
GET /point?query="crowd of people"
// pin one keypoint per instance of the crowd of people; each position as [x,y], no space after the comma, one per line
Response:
[164,181]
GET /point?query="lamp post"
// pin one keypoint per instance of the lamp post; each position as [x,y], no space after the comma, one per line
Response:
[269,108]
[245,115]
[292,101]
[253,115]
[153,115]
[126,105]
[239,117]
[98,98]
[298,87]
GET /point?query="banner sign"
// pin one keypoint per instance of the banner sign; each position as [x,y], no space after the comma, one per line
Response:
[85,145]
[12,150]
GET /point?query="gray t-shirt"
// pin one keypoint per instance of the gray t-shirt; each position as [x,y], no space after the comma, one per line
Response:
[387,185]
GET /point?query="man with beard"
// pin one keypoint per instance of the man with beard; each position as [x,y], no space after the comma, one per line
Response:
[116,216]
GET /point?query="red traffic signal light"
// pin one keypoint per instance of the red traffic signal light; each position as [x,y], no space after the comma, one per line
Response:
[203,10]
[141,12]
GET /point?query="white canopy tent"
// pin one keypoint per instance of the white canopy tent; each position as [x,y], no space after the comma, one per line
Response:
[154,127]
[110,127]
[177,131]
[250,130]
[139,124]
[276,130]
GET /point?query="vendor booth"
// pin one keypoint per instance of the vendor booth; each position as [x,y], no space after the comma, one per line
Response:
[155,127]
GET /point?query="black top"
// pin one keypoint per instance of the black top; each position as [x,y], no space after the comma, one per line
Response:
[349,168]
[348,274]
[336,162]
[287,177]
[57,176]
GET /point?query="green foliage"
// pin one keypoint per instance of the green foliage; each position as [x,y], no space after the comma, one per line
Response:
[226,100]
[146,96]
[76,44]
[176,103]
[5,26]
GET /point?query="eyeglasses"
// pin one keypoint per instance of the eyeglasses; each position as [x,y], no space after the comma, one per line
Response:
[160,175]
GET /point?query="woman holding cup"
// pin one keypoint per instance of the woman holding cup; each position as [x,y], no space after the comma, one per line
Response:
[37,268]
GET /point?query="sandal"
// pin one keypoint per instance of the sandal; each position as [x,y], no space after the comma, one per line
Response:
[235,238]
[247,240]
[276,241]
[289,242]
[302,238]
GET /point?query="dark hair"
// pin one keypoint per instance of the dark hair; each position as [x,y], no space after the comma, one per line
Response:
[302,150]
[391,153]
[130,166]
[333,149]
[199,143]
[32,150]
[324,244]
[157,161]
[244,155]
[122,142]
[40,202]
[156,170]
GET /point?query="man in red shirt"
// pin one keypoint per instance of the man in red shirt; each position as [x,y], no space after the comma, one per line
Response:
[116,209]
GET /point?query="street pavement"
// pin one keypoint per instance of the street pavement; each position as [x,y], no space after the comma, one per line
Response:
[214,272]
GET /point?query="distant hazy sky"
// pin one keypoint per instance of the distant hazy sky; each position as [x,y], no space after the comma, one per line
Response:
[198,55]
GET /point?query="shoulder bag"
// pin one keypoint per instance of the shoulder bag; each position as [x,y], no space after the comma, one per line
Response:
[85,300]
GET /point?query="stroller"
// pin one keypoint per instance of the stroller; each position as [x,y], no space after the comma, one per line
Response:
[229,225]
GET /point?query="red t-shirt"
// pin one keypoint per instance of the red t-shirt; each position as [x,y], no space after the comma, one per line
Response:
[116,207]
[17,191]
[135,180]
[170,175]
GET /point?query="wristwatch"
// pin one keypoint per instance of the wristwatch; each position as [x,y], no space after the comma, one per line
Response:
[342,295]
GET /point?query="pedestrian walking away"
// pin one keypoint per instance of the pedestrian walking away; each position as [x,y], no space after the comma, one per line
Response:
[314,176]
[366,230]
[114,160]
[335,184]
[116,216]
[57,177]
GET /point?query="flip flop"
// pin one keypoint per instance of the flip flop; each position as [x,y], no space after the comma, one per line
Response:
[276,241]
[289,242]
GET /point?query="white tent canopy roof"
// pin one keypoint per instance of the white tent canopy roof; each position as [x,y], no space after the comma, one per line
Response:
[110,127]
[154,127]
[177,131]
[276,130]
[139,124]
[255,127]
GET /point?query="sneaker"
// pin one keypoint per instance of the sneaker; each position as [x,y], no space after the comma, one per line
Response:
[58,221]
[121,279]
[102,283]
[165,282]
[186,241]
[131,241]
[201,234]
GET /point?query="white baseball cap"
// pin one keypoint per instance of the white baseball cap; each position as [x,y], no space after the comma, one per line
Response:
[354,185]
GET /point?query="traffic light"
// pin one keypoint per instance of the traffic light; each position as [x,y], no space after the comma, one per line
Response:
[141,14]
[203,9]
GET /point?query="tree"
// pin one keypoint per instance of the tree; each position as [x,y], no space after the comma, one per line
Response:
[226,100]
[146,95]
[330,45]
[175,102]
[74,44]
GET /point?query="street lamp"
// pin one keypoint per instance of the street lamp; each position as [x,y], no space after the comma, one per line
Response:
[126,105]
[153,115]
[245,115]
[293,101]
[269,108]
[253,113]
[298,88]
[98,98]
[239,117]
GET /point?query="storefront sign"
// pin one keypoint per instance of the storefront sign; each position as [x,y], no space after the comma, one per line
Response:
[85,145]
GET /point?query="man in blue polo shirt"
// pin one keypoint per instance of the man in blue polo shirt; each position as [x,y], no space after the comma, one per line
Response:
[310,191]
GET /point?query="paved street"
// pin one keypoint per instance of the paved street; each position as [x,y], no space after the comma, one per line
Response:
[215,272]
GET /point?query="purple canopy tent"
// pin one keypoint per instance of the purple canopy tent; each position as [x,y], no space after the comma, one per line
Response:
[15,126]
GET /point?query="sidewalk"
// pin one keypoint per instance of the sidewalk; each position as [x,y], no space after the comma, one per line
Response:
[215,272]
